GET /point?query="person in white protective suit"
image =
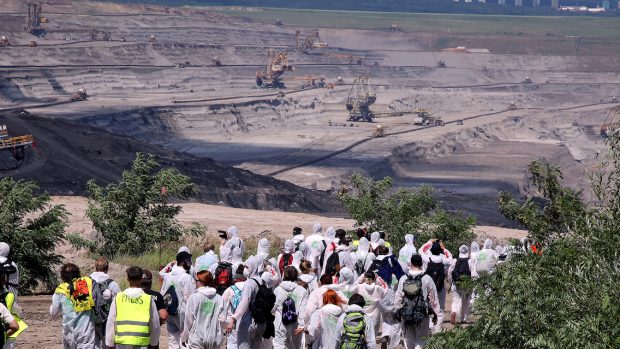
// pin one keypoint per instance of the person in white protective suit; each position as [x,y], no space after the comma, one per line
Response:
[232,299]
[249,333]
[347,283]
[225,257]
[405,253]
[298,236]
[356,305]
[101,276]
[233,240]
[308,278]
[168,268]
[78,328]
[287,323]
[285,258]
[13,280]
[205,315]
[434,254]
[236,258]
[374,240]
[474,249]
[304,252]
[460,298]
[362,258]
[184,287]
[486,259]
[329,245]
[316,242]
[208,258]
[344,255]
[415,336]
[373,294]
[324,322]
[315,299]
[263,249]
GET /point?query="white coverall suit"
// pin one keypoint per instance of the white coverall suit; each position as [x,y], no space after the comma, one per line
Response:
[285,337]
[415,337]
[184,286]
[205,313]
[78,329]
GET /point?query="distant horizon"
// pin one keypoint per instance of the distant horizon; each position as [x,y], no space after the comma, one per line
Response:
[488,7]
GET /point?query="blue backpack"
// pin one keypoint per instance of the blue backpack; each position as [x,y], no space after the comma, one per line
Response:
[236,298]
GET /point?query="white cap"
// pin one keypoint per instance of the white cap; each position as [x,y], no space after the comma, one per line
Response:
[184,249]
[5,249]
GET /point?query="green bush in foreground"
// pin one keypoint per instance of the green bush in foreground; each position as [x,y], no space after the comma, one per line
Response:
[134,216]
[33,227]
[567,296]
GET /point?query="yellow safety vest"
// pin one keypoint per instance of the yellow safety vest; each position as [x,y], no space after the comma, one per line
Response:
[10,300]
[132,320]
[82,297]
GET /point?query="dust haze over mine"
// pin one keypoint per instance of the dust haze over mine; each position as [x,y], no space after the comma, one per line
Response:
[276,109]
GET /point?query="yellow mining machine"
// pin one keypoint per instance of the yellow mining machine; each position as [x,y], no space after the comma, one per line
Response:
[277,64]
[34,20]
[360,99]
[310,42]
[16,144]
[612,123]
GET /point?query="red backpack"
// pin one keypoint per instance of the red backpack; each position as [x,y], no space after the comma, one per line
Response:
[285,261]
[223,277]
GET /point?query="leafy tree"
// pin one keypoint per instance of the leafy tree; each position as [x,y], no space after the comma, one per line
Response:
[375,205]
[566,296]
[134,216]
[33,228]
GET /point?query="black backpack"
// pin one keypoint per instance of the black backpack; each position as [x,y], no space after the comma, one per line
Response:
[102,306]
[437,273]
[415,308]
[289,310]
[223,277]
[333,263]
[171,301]
[322,256]
[359,265]
[262,304]
[461,271]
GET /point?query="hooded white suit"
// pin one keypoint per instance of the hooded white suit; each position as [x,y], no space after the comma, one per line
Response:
[184,286]
[324,326]
[205,314]
[405,253]
[285,337]
[234,241]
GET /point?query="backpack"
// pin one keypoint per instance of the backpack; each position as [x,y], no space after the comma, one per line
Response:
[359,265]
[223,277]
[285,261]
[236,298]
[289,311]
[171,301]
[262,304]
[461,270]
[102,305]
[322,257]
[353,334]
[415,308]
[437,272]
[333,263]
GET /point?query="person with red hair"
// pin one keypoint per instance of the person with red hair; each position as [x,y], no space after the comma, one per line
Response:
[323,322]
